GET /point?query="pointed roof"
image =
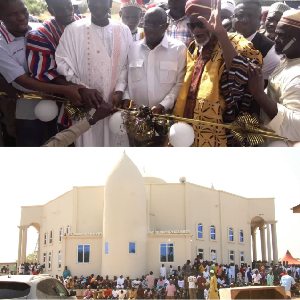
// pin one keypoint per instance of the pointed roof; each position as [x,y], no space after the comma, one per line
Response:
[290,259]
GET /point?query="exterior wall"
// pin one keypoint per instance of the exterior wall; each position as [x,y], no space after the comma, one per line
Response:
[167,205]
[32,215]
[70,256]
[182,250]
[57,214]
[203,208]
[90,209]
[234,212]
[264,207]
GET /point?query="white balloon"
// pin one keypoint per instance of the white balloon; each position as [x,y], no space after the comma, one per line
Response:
[181,134]
[46,110]
[116,125]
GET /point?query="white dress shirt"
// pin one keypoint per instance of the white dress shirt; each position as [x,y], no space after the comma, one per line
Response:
[270,61]
[155,76]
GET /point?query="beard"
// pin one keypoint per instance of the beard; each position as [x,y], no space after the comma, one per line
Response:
[205,42]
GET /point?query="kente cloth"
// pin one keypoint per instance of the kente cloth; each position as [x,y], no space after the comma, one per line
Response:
[210,93]
[198,7]
[96,57]
[291,17]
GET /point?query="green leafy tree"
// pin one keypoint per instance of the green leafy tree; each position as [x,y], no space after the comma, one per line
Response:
[36,7]
[32,257]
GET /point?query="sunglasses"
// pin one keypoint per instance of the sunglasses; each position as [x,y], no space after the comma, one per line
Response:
[198,24]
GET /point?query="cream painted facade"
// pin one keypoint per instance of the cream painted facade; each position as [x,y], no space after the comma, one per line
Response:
[147,211]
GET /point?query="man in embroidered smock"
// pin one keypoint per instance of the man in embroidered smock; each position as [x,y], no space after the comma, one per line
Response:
[131,13]
[94,53]
[14,30]
[208,92]
[281,104]
[246,21]
[177,21]
[41,46]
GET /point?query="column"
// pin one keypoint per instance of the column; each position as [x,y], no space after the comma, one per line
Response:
[274,244]
[20,246]
[254,251]
[269,243]
[24,244]
[263,242]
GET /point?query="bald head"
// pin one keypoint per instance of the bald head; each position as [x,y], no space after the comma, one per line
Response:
[157,13]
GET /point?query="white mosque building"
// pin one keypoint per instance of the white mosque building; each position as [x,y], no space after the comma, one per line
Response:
[136,222]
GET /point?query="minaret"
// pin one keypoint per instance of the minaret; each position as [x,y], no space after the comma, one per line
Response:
[124,221]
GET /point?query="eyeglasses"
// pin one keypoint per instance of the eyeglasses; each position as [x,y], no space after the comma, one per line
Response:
[198,24]
[154,26]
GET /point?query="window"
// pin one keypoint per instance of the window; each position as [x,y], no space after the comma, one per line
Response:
[45,238]
[49,261]
[241,236]
[59,259]
[231,256]
[213,255]
[60,234]
[106,248]
[44,258]
[166,252]
[50,238]
[68,229]
[132,247]
[242,257]
[54,288]
[12,290]
[83,254]
[201,253]
[212,232]
[200,231]
[230,234]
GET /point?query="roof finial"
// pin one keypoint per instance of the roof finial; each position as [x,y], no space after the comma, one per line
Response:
[144,169]
[212,186]
[124,152]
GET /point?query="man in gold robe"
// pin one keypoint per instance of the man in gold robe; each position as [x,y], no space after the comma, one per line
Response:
[213,288]
[215,84]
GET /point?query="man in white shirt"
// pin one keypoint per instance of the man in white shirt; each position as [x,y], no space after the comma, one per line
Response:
[120,282]
[206,274]
[192,286]
[256,278]
[162,271]
[281,105]
[171,272]
[157,65]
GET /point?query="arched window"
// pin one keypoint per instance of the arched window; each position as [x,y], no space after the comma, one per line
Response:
[241,236]
[45,238]
[230,234]
[60,234]
[50,237]
[212,232]
[68,229]
[200,231]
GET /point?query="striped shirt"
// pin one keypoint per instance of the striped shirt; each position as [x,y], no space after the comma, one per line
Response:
[41,47]
[178,30]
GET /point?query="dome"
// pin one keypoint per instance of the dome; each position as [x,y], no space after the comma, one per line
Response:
[149,179]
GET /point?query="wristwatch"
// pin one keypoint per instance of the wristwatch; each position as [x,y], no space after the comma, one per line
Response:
[91,120]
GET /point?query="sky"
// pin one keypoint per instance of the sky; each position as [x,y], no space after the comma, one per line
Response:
[36,176]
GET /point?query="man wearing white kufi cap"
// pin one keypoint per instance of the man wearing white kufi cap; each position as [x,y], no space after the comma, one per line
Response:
[227,11]
[274,15]
[120,282]
[281,104]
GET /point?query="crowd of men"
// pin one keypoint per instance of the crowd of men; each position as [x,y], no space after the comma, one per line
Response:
[200,280]
[199,59]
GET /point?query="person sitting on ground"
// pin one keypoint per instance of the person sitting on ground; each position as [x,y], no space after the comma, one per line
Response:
[107,293]
[132,294]
[127,283]
[140,292]
[161,283]
[114,282]
[115,293]
[88,293]
[148,294]
[120,282]
[70,283]
[121,294]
